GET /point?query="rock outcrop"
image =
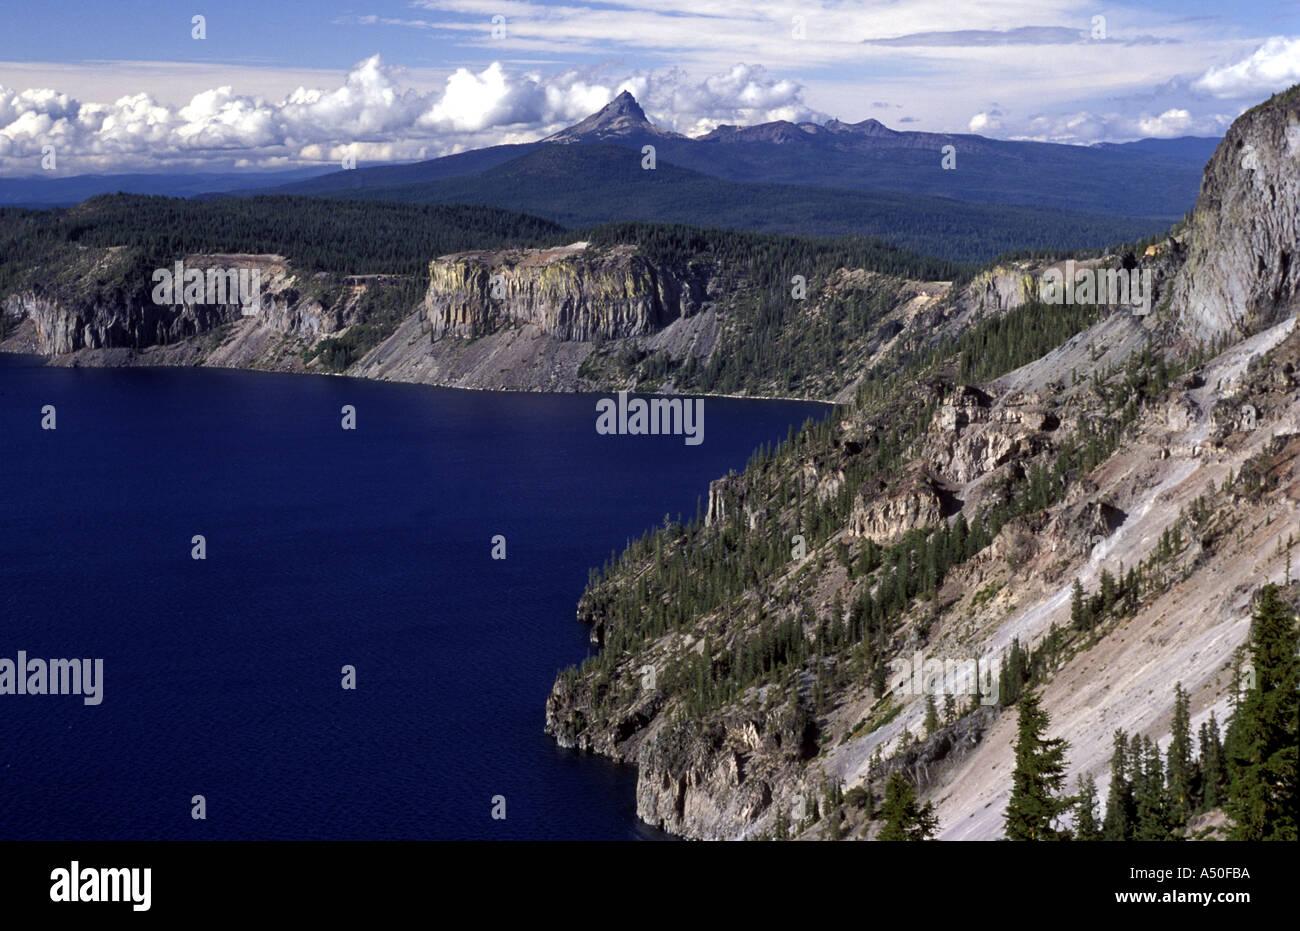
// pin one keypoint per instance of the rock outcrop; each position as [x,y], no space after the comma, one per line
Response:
[81,314]
[718,780]
[575,292]
[971,437]
[885,520]
[1242,272]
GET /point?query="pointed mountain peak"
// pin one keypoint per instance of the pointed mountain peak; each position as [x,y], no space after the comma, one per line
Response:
[622,105]
[621,118]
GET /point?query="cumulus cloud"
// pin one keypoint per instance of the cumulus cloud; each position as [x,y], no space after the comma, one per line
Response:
[370,115]
[1274,66]
[1170,123]
[1085,126]
[986,122]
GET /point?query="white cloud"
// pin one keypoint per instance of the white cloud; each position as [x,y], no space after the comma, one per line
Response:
[1170,123]
[1085,126]
[371,114]
[474,102]
[1274,66]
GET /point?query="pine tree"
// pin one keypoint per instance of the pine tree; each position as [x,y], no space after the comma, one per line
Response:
[1107,592]
[1086,826]
[1263,741]
[1149,794]
[1119,798]
[904,818]
[1180,761]
[1078,608]
[1039,773]
[931,716]
[781,826]
[1212,769]
[977,694]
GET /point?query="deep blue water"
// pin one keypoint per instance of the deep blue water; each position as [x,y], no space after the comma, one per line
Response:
[325,547]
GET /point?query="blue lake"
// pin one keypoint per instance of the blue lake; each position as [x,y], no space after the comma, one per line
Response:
[325,547]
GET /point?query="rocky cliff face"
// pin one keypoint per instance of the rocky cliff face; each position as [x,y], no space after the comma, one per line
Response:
[885,515]
[76,315]
[968,439]
[571,293]
[1243,244]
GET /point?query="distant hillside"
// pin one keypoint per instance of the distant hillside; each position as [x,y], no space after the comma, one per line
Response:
[450,166]
[64,192]
[582,185]
[1192,149]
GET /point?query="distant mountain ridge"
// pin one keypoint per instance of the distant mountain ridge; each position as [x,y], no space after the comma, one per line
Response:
[580,185]
[1150,178]
[37,190]
[1146,178]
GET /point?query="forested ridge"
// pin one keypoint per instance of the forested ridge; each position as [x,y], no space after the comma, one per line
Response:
[106,249]
[364,237]
[699,571]
[586,185]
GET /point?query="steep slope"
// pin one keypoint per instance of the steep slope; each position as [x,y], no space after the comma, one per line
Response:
[760,660]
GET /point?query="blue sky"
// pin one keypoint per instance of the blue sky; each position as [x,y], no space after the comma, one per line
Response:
[125,86]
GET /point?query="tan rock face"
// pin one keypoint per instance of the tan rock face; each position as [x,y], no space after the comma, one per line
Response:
[885,520]
[570,293]
[971,437]
[998,290]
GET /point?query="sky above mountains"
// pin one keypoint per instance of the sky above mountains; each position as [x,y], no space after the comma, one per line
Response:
[138,85]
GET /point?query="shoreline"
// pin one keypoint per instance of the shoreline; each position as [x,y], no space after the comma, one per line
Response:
[48,359]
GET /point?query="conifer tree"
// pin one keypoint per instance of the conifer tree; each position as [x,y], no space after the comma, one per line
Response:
[1107,592]
[904,818]
[1040,770]
[1180,761]
[1263,741]
[1078,608]
[1086,826]
[1212,769]
[1149,794]
[931,716]
[1118,824]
